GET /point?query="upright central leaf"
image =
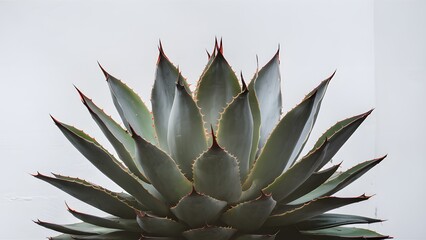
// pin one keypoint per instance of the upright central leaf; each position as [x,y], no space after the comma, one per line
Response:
[235,131]
[186,137]
[217,86]
[162,96]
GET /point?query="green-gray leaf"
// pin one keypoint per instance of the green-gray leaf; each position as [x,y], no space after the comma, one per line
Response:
[209,233]
[186,136]
[196,209]
[255,112]
[311,209]
[314,181]
[249,216]
[335,184]
[159,226]
[117,235]
[75,228]
[120,139]
[215,89]
[161,170]
[294,177]
[338,134]
[108,165]
[329,220]
[162,96]
[216,174]
[107,222]
[235,132]
[94,195]
[268,91]
[131,108]
[286,141]
[338,233]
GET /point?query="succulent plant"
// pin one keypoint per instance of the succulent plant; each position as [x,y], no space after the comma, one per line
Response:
[218,163]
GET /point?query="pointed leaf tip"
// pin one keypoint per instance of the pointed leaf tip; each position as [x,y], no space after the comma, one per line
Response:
[104,71]
[244,88]
[214,140]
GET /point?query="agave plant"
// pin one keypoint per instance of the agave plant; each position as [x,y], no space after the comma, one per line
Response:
[218,163]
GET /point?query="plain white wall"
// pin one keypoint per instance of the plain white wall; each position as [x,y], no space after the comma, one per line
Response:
[46,46]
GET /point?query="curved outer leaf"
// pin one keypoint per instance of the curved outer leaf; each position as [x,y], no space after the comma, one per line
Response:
[255,112]
[185,124]
[162,96]
[161,170]
[256,237]
[159,226]
[108,165]
[118,235]
[215,89]
[120,139]
[332,186]
[157,238]
[94,195]
[75,228]
[107,222]
[131,108]
[314,181]
[286,141]
[216,174]
[294,177]
[339,134]
[319,93]
[311,209]
[249,216]
[268,91]
[344,233]
[209,233]
[235,132]
[329,220]
[196,209]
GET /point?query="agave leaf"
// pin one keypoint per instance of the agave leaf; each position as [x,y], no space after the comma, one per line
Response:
[311,209]
[75,228]
[196,209]
[209,233]
[235,132]
[249,216]
[62,237]
[256,237]
[332,186]
[159,226]
[163,94]
[337,233]
[314,181]
[111,203]
[294,177]
[107,222]
[216,174]
[108,165]
[286,141]
[255,112]
[157,238]
[117,235]
[131,108]
[215,89]
[185,124]
[161,170]
[338,134]
[329,220]
[120,139]
[268,92]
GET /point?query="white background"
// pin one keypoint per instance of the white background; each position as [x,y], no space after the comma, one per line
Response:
[378,48]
